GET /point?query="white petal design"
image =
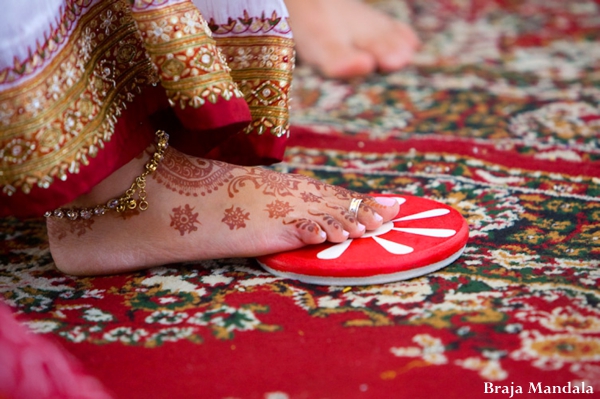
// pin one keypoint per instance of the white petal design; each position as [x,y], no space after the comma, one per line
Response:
[335,251]
[442,233]
[393,247]
[424,215]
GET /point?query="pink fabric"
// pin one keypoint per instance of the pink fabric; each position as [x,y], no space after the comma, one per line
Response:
[32,367]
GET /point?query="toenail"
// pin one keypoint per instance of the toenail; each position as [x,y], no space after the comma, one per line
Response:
[346,233]
[386,201]
[361,226]
[322,234]
[378,217]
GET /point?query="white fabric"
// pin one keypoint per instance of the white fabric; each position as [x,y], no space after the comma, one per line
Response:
[25,26]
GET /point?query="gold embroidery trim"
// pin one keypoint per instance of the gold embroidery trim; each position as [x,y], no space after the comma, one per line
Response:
[191,67]
[262,67]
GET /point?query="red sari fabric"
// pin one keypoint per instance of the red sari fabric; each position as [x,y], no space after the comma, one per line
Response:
[93,80]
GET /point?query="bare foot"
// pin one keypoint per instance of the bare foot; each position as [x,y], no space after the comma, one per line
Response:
[347,38]
[201,209]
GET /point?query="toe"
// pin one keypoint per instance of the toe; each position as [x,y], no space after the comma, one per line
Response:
[386,207]
[369,217]
[393,48]
[352,227]
[308,231]
[332,225]
[373,211]
[347,62]
[395,58]
[408,35]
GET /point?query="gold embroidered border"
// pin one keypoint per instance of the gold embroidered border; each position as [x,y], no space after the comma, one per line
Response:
[190,65]
[262,67]
[55,122]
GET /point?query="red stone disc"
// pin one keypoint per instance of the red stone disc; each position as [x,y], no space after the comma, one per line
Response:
[424,237]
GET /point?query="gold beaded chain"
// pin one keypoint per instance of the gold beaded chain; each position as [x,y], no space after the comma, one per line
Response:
[127,200]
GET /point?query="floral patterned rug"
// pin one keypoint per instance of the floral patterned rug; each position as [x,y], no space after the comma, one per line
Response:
[500,119]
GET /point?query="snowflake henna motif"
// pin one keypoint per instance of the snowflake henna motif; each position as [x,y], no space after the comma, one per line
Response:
[278,209]
[184,220]
[235,218]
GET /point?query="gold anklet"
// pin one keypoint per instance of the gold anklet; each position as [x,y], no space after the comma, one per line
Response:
[126,201]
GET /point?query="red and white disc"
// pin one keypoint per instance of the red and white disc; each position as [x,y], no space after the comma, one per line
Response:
[424,237]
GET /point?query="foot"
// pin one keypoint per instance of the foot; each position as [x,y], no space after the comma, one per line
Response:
[347,38]
[201,209]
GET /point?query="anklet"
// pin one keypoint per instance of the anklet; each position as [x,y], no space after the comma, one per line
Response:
[126,201]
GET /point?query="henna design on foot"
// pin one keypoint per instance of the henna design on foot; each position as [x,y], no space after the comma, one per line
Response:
[310,197]
[274,183]
[343,193]
[319,185]
[184,220]
[371,204]
[305,224]
[235,218]
[368,209]
[180,174]
[344,212]
[327,218]
[339,192]
[278,209]
[65,227]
